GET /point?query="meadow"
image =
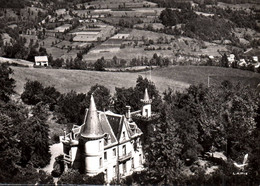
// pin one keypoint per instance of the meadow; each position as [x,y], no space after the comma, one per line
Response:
[176,77]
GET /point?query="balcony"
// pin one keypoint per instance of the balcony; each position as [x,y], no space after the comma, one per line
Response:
[125,157]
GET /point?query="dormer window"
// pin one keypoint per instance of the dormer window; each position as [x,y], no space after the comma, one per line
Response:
[107,138]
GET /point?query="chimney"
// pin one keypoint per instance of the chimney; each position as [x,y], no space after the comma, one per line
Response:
[128,113]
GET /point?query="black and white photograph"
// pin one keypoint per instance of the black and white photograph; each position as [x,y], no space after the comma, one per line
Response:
[130,92]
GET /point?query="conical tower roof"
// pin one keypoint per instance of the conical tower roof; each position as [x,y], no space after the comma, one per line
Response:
[92,127]
[146,97]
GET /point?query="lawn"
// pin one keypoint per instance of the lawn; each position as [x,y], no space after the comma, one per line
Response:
[199,74]
[176,77]
[81,81]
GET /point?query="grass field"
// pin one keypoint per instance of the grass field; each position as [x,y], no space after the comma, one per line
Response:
[81,81]
[177,77]
[199,74]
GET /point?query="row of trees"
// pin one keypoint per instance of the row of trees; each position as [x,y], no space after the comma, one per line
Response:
[70,107]
[156,60]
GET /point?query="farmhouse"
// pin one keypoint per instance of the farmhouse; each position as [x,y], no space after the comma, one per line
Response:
[41,61]
[106,142]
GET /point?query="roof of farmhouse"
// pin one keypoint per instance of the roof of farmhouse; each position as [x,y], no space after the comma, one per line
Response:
[40,58]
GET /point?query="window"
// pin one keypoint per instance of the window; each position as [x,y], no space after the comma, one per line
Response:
[100,145]
[106,174]
[146,112]
[107,139]
[124,135]
[140,159]
[124,167]
[133,163]
[114,170]
[124,150]
[114,151]
[105,155]
[100,162]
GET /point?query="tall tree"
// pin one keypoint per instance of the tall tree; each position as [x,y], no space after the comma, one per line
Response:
[162,153]
[7,83]
[99,65]
[224,61]
[132,96]
[35,138]
[33,92]
[101,95]
[71,107]
[122,98]
[185,108]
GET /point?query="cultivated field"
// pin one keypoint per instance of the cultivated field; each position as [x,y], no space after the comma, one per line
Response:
[163,44]
[177,77]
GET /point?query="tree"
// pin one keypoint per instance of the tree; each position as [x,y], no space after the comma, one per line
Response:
[15,127]
[57,62]
[141,85]
[33,52]
[35,139]
[50,97]
[71,177]
[132,96]
[162,153]
[236,117]
[99,65]
[124,97]
[74,177]
[71,107]
[43,51]
[185,109]
[9,148]
[101,95]
[33,92]
[7,83]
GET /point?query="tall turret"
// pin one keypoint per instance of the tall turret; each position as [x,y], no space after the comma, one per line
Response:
[146,108]
[92,141]
[92,128]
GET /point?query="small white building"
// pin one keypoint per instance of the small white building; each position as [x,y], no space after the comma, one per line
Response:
[41,61]
[231,58]
[255,58]
[242,62]
[106,142]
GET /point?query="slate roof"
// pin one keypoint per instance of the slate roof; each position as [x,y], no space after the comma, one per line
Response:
[107,124]
[116,122]
[92,127]
[107,127]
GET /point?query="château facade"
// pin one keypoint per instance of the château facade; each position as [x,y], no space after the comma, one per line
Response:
[106,142]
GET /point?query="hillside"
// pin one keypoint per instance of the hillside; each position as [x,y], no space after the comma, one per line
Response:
[199,74]
[81,81]
[177,77]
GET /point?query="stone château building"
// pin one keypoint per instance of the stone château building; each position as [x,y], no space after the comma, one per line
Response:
[106,142]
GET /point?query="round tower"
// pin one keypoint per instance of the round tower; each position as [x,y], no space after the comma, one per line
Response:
[92,141]
[146,108]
